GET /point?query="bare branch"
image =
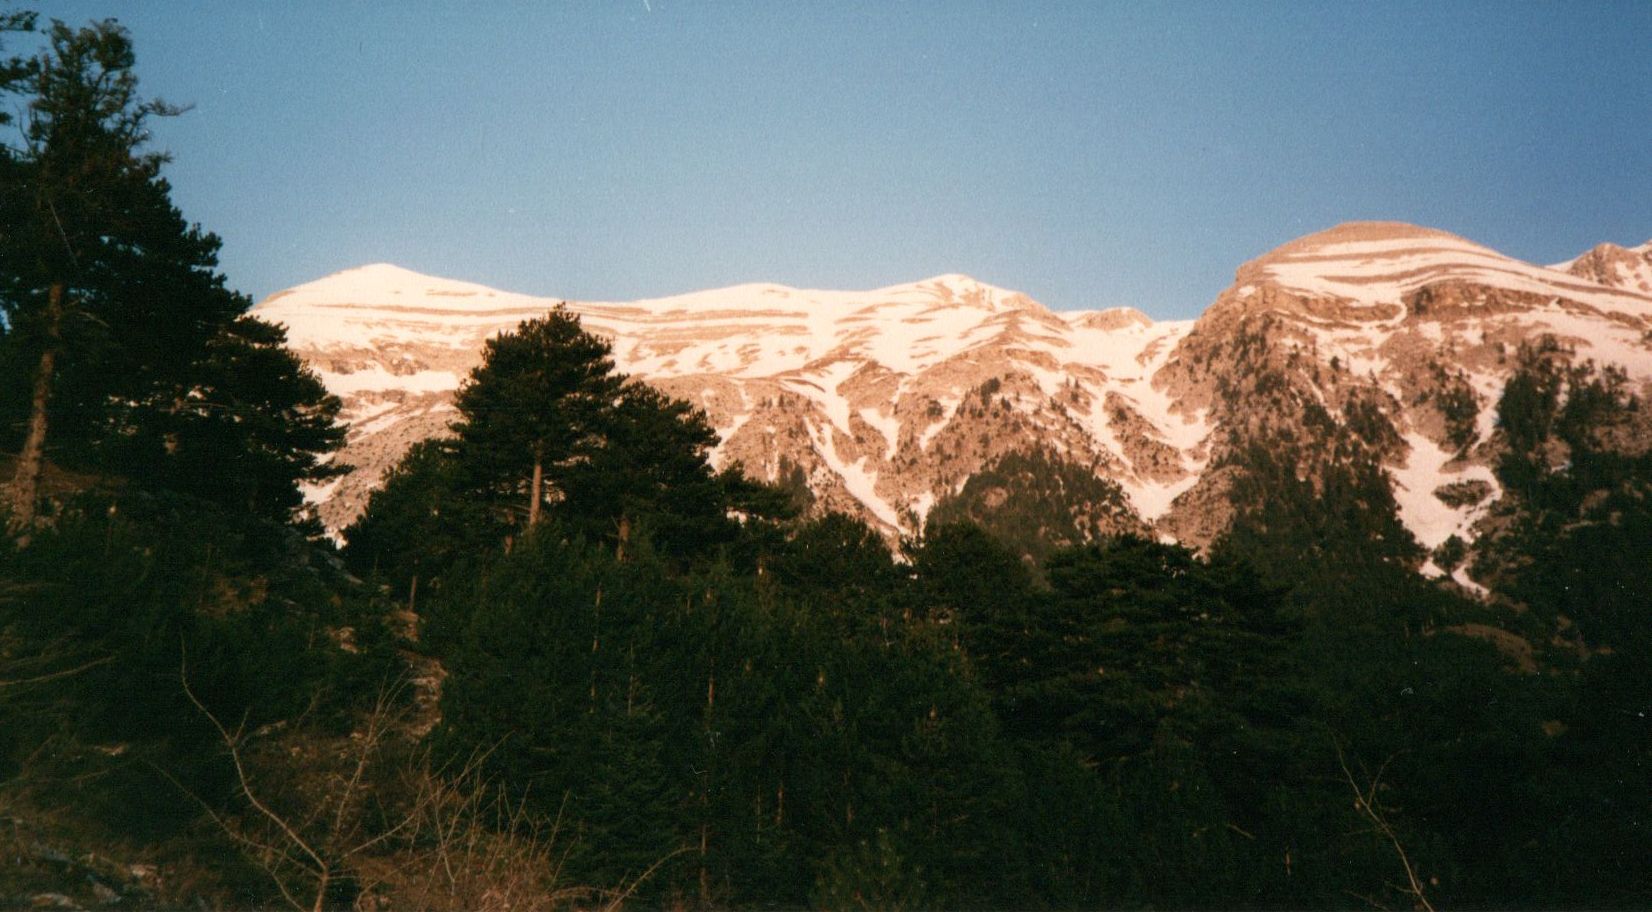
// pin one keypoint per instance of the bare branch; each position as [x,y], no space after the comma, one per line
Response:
[260,848]
[1365,802]
[621,896]
[1367,900]
[56,675]
[459,842]
[230,742]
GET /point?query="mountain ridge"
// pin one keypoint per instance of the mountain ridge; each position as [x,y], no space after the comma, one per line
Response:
[889,400]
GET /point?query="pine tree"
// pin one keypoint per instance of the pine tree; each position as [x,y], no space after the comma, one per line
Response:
[80,195]
[418,523]
[651,461]
[13,70]
[242,426]
[139,359]
[840,563]
[531,413]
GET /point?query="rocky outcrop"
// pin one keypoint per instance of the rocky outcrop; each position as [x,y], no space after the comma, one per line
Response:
[1394,340]
[1616,267]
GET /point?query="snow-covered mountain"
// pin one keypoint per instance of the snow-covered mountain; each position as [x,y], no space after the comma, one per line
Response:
[885,401]
[1393,320]
[858,390]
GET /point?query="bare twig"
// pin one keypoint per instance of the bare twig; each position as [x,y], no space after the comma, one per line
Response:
[478,849]
[53,676]
[261,848]
[459,842]
[621,896]
[322,871]
[1367,900]
[1366,803]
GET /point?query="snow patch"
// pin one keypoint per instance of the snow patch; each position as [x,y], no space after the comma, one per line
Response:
[381,423]
[1431,521]
[315,493]
[1460,576]
[377,379]
[1152,499]
[1428,518]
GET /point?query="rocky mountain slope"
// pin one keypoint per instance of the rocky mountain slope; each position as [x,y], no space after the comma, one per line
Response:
[1397,337]
[883,400]
[887,402]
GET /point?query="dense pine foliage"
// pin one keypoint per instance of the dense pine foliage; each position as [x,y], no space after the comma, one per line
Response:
[660,680]
[1038,503]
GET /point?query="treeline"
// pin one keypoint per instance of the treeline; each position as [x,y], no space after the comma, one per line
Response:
[664,684]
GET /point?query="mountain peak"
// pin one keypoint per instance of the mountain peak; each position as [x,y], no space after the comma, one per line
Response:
[955,280]
[386,285]
[949,283]
[1374,265]
[958,289]
[1354,239]
[1628,268]
[382,274]
[1111,320]
[381,268]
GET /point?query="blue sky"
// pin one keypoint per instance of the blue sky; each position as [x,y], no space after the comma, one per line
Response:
[1091,154]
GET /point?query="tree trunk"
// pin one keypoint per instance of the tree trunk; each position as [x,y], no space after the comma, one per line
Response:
[536,486]
[25,486]
[624,538]
[596,644]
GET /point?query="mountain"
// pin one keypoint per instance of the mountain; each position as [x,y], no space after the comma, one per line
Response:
[883,399]
[888,402]
[1397,338]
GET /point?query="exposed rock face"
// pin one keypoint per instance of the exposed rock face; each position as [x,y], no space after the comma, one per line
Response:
[1393,337]
[1615,267]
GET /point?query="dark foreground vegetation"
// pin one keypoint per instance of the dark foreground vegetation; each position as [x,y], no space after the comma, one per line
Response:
[663,685]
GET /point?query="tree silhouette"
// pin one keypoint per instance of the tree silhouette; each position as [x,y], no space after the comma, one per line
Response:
[138,356]
[530,412]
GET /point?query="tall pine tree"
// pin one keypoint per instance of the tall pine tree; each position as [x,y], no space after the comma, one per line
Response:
[138,357]
[530,413]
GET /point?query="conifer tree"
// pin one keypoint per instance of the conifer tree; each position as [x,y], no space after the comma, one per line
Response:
[531,412]
[139,358]
[80,191]
[418,523]
[13,69]
[242,425]
[651,462]
[545,422]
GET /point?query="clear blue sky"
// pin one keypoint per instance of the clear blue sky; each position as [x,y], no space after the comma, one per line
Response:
[1091,154]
